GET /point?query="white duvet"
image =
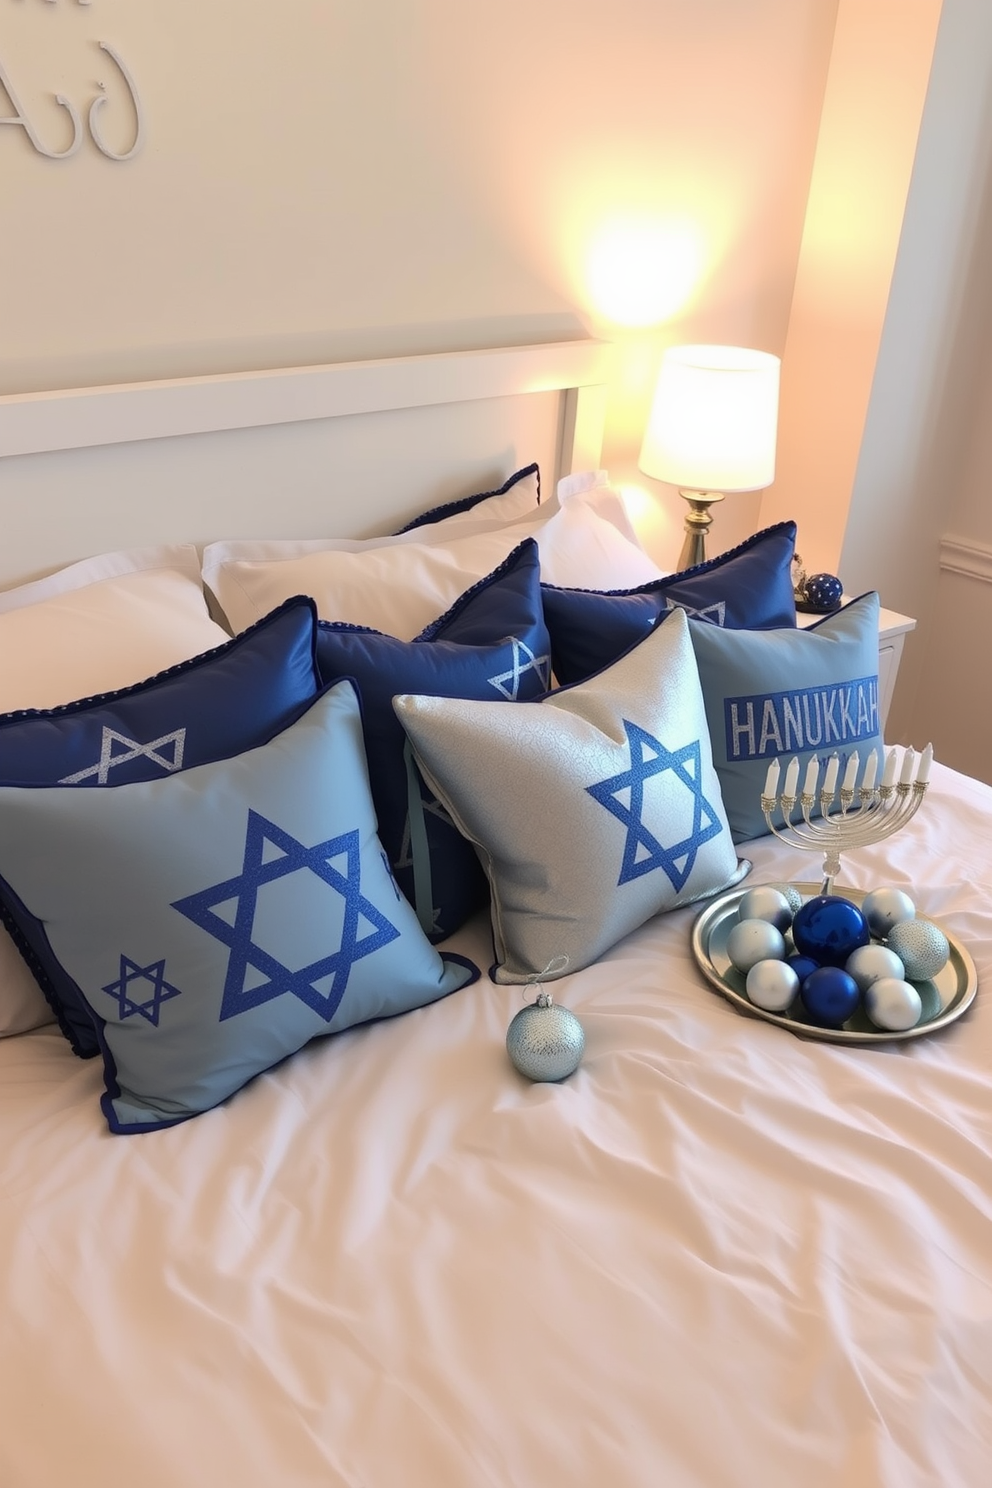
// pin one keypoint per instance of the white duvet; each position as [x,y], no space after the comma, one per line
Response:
[718,1256]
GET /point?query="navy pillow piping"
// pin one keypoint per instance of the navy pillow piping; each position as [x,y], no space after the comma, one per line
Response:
[466,503]
[785,529]
[179,669]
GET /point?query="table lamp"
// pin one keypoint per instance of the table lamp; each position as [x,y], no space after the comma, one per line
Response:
[711,430]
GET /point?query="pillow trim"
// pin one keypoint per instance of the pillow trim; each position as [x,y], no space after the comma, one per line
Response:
[778,529]
[178,669]
[44,982]
[466,503]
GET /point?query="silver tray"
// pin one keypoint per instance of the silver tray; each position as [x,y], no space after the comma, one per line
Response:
[944,999]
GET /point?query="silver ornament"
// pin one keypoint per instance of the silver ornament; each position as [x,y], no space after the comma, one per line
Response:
[751,941]
[772,985]
[764,902]
[883,908]
[872,962]
[790,893]
[921,947]
[893,1004]
[544,1041]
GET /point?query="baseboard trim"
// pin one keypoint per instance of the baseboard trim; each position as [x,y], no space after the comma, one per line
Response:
[961,555]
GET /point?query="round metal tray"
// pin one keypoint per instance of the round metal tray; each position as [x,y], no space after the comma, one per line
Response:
[944,999]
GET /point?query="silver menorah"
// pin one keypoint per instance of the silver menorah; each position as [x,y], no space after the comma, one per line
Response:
[880,810]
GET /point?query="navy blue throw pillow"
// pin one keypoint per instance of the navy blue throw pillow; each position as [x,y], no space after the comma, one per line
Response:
[493,645]
[211,707]
[747,588]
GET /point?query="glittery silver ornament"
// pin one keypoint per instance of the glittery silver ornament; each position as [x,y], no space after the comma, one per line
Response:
[871,963]
[921,947]
[772,985]
[751,941]
[893,1004]
[883,908]
[545,1041]
[790,893]
[764,902]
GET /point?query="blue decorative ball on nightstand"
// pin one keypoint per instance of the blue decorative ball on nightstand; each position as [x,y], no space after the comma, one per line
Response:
[823,593]
[830,996]
[828,928]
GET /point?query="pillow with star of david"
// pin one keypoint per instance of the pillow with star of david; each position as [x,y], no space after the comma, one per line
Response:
[747,588]
[591,809]
[213,705]
[492,643]
[775,694]
[217,919]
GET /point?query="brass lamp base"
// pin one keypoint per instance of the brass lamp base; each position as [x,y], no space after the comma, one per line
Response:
[696,522]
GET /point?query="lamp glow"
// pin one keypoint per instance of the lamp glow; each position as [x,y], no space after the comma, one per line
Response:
[712,429]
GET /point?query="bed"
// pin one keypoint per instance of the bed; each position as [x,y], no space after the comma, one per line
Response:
[716,1254]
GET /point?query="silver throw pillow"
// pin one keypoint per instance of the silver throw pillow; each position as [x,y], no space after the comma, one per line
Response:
[591,809]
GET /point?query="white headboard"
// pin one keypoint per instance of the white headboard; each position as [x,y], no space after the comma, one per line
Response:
[348,449]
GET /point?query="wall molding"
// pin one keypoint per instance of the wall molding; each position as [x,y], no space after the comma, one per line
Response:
[962,555]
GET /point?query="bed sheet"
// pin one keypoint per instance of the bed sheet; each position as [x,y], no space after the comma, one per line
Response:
[718,1255]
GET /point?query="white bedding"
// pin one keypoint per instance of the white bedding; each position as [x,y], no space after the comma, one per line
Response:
[718,1255]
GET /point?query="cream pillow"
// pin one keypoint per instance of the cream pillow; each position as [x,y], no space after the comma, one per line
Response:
[102,624]
[399,588]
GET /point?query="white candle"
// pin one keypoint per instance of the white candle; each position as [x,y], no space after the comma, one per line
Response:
[908,761]
[771,780]
[889,775]
[851,771]
[791,777]
[868,782]
[830,779]
[812,771]
[926,760]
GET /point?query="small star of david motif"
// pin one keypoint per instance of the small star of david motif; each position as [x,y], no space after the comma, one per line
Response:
[642,851]
[270,854]
[129,749]
[715,613]
[154,974]
[508,683]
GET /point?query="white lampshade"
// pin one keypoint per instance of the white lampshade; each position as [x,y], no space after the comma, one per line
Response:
[714,419]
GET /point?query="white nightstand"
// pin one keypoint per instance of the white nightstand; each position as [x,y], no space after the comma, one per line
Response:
[893,629]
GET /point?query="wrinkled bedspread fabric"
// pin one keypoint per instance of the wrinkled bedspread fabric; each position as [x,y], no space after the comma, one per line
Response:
[718,1256]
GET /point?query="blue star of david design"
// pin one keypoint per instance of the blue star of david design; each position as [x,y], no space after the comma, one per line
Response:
[648,756]
[508,683]
[260,867]
[131,972]
[130,749]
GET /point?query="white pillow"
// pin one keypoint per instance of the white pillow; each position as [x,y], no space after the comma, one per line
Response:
[102,624]
[401,588]
[22,1004]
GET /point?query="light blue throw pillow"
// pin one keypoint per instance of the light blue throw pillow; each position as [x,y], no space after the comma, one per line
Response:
[775,694]
[591,809]
[217,919]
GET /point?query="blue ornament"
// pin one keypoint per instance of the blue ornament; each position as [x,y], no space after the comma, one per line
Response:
[544,1041]
[829,928]
[803,966]
[830,996]
[823,593]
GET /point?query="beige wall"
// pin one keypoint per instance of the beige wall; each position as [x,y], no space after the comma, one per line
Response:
[924,468]
[362,177]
